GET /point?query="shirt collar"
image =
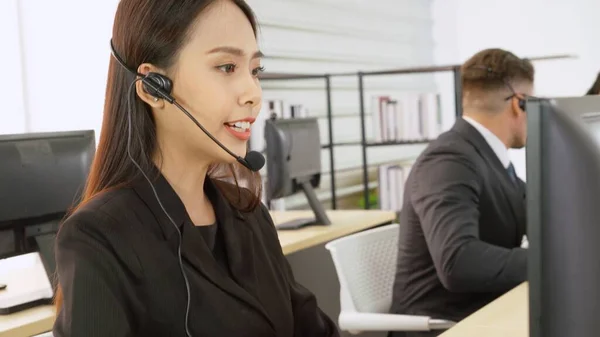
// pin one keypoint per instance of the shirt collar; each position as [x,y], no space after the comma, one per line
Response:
[493,141]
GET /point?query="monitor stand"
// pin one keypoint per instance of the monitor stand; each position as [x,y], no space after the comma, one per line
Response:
[45,243]
[44,235]
[320,218]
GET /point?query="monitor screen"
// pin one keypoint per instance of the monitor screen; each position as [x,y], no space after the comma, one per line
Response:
[592,122]
[294,164]
[563,196]
[42,176]
[304,143]
[293,154]
[586,109]
[43,173]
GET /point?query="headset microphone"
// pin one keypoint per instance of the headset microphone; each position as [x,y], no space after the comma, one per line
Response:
[254,160]
[160,86]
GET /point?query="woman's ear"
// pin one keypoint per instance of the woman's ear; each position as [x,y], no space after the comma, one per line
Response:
[155,102]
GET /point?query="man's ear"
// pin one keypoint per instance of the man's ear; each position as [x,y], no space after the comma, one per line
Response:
[515,106]
[155,102]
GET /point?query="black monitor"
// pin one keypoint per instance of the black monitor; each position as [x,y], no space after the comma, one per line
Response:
[294,164]
[563,215]
[42,176]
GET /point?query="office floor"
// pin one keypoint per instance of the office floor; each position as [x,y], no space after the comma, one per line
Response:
[314,269]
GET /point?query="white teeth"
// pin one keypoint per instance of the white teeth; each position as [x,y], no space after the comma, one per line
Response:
[240,126]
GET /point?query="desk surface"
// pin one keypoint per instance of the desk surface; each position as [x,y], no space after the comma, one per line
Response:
[508,315]
[342,223]
[40,319]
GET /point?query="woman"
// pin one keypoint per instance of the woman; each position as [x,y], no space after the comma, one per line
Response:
[166,243]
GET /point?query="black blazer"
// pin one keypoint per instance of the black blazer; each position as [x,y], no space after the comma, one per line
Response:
[118,267]
[462,223]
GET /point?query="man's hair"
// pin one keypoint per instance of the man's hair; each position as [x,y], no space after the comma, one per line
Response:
[492,69]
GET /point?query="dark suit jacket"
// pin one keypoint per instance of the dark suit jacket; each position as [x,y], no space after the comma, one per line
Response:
[118,266]
[462,223]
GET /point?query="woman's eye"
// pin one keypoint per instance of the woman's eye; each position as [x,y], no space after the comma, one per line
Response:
[227,68]
[258,70]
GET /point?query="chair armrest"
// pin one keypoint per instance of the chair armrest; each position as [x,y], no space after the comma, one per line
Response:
[436,324]
[357,321]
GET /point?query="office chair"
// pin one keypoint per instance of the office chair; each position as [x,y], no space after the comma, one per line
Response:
[366,264]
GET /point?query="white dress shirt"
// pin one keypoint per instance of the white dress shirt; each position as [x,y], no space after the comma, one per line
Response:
[493,141]
[499,149]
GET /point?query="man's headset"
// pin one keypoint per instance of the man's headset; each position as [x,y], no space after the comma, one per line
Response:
[490,71]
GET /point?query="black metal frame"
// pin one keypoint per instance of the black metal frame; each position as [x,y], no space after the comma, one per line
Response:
[365,145]
[330,144]
[455,69]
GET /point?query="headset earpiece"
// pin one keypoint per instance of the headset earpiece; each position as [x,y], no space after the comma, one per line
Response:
[158,85]
[521,104]
[155,84]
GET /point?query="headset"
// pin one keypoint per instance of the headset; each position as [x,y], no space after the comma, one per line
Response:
[522,101]
[160,86]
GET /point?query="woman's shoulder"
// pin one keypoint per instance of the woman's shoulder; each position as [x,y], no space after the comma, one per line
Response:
[96,228]
[102,217]
[103,206]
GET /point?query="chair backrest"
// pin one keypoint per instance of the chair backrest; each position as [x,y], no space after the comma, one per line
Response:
[366,265]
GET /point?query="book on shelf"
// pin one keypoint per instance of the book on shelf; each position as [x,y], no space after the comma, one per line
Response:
[391,179]
[406,117]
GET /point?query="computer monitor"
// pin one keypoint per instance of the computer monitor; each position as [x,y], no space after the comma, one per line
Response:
[294,164]
[42,176]
[563,215]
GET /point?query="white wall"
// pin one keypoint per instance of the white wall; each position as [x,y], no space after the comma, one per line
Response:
[59,57]
[528,28]
[329,36]
[56,55]
[65,57]
[12,112]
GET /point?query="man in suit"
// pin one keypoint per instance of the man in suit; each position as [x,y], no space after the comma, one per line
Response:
[463,217]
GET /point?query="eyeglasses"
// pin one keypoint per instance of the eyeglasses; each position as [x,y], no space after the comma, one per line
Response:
[519,96]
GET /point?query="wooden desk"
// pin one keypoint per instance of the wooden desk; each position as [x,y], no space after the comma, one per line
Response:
[507,316]
[28,322]
[40,319]
[342,223]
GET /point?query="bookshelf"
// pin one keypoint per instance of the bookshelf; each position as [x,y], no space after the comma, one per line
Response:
[366,144]
[400,172]
[395,127]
